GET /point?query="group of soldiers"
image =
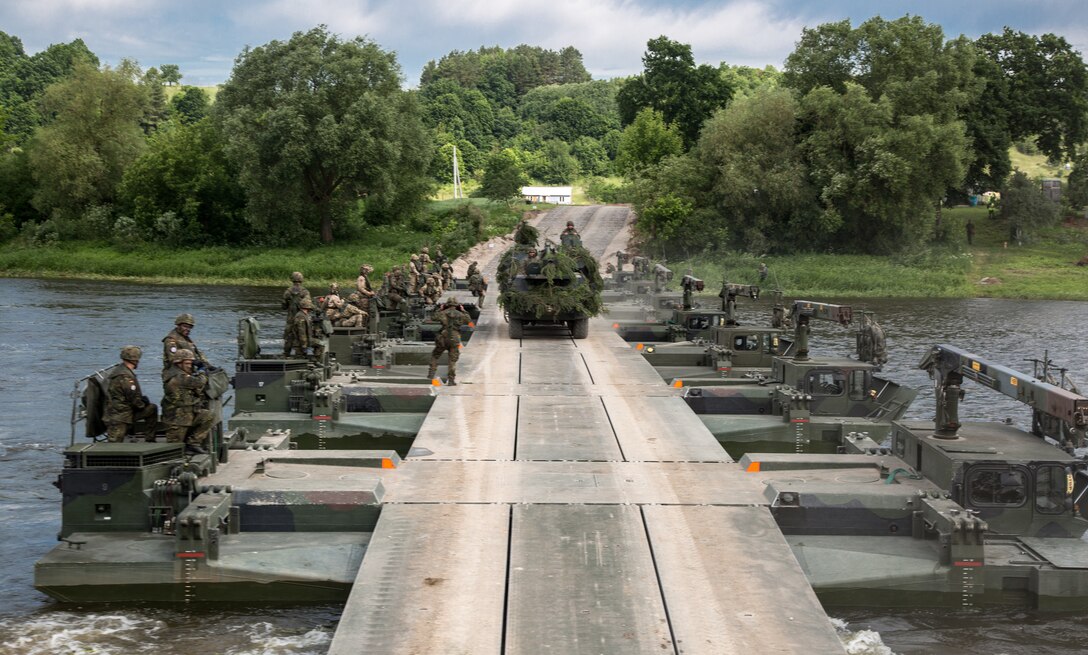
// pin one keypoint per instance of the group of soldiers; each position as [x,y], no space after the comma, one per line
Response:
[185,415]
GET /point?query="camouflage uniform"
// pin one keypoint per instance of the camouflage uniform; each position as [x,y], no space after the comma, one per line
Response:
[333,304]
[351,315]
[183,410]
[176,341]
[299,331]
[126,405]
[413,276]
[292,300]
[447,276]
[448,339]
[478,286]
[432,290]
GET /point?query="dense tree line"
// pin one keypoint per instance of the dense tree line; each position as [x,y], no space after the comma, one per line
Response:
[852,147]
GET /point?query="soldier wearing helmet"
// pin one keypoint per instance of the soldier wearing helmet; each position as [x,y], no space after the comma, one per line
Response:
[448,339]
[292,298]
[184,413]
[179,339]
[298,340]
[351,315]
[412,284]
[128,410]
[477,284]
[366,292]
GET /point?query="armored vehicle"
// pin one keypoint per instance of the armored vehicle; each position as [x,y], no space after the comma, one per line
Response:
[686,321]
[556,285]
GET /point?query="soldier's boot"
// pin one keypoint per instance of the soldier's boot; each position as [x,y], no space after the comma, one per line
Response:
[452,381]
[431,372]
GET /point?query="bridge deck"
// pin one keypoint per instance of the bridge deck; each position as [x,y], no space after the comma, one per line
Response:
[562,500]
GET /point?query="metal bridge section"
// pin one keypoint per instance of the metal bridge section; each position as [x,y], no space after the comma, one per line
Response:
[563,500]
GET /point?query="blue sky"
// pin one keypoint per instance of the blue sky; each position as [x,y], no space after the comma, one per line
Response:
[204,36]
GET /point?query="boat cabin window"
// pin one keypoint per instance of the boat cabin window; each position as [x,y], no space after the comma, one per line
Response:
[826,383]
[746,342]
[997,488]
[859,385]
[698,322]
[1050,488]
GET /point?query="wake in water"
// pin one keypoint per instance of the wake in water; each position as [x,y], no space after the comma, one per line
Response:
[861,642]
[163,632]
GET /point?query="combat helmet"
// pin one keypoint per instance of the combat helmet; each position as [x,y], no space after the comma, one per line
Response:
[183,354]
[306,304]
[296,277]
[131,353]
[185,319]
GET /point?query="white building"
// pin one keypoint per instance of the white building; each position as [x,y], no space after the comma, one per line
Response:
[556,195]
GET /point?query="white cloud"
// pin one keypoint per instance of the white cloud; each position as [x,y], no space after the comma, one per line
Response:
[612,34]
[345,17]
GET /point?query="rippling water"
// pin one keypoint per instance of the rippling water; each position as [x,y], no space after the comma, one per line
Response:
[54,332]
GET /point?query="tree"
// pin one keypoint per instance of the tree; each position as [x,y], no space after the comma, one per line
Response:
[1047,89]
[685,94]
[190,104]
[79,157]
[591,155]
[557,165]
[1024,206]
[23,79]
[315,123]
[1076,192]
[503,177]
[185,172]
[156,112]
[758,180]
[464,113]
[171,74]
[645,142]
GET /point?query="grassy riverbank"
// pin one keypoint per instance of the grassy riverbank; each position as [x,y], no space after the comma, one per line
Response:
[381,246]
[1042,268]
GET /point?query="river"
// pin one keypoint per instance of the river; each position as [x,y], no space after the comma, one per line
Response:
[54,332]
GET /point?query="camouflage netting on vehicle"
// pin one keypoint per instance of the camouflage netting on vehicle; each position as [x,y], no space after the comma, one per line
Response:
[552,296]
[526,235]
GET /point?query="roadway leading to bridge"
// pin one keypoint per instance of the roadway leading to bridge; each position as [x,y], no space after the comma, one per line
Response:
[562,500]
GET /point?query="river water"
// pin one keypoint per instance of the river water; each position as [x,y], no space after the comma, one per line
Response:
[53,332]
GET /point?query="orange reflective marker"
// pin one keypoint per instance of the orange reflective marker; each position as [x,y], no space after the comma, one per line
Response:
[753,467]
[471,324]
[615,325]
[460,346]
[435,382]
[639,346]
[388,463]
[678,383]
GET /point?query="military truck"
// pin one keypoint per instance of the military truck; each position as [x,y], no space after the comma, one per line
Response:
[556,285]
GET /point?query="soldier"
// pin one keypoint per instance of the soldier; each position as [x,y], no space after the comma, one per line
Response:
[333,303]
[126,406]
[570,230]
[762,271]
[413,275]
[425,259]
[477,284]
[178,339]
[297,337]
[432,289]
[292,298]
[447,276]
[351,315]
[451,317]
[183,412]
[439,258]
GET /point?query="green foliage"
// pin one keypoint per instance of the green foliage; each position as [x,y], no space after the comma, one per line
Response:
[462,113]
[645,142]
[1047,84]
[170,74]
[557,289]
[557,166]
[185,173]
[759,184]
[1075,194]
[79,157]
[8,229]
[591,155]
[156,111]
[605,191]
[190,104]
[503,177]
[315,123]
[1024,207]
[457,228]
[525,235]
[671,83]
[503,76]
[745,80]
[17,187]
[23,80]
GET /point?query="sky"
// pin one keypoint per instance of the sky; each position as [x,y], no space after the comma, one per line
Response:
[204,36]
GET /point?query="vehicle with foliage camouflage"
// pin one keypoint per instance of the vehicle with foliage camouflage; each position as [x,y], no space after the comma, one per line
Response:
[555,285]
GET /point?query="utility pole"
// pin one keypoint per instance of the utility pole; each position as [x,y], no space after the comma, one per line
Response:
[457,191]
